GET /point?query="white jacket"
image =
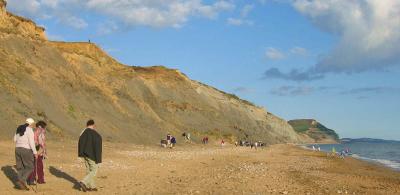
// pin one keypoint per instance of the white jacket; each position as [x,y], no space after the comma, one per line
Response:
[26,141]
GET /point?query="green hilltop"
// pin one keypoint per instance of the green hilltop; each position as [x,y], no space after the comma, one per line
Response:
[314,130]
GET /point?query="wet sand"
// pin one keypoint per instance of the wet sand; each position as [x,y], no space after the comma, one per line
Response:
[211,169]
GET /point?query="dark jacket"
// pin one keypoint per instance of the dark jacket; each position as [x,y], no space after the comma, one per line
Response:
[90,145]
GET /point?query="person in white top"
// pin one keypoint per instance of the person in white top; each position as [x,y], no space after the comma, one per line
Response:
[25,152]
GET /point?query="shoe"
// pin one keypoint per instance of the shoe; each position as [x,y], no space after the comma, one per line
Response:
[22,185]
[93,189]
[83,187]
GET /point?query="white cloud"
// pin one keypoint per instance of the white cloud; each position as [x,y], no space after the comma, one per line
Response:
[153,13]
[293,90]
[299,51]
[46,9]
[369,32]
[244,12]
[50,3]
[30,8]
[70,20]
[157,13]
[107,27]
[239,22]
[274,54]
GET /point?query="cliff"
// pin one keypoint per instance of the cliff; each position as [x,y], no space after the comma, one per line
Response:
[13,25]
[68,83]
[314,132]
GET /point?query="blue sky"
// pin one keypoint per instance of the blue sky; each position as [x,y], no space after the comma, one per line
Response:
[334,61]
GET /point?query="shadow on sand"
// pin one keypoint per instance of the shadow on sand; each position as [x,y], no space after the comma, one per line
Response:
[11,174]
[61,174]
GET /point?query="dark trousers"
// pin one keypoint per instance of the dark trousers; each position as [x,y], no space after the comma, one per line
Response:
[25,162]
[39,170]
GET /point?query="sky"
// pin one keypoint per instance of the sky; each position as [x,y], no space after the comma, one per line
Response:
[336,61]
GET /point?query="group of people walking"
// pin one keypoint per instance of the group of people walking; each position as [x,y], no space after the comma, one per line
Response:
[30,151]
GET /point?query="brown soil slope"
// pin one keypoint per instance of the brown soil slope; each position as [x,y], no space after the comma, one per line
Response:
[68,83]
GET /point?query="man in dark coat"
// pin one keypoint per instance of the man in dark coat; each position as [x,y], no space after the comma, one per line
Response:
[90,149]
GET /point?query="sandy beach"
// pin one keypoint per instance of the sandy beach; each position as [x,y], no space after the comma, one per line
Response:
[211,169]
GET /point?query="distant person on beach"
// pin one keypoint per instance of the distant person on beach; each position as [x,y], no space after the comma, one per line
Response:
[188,137]
[348,151]
[90,149]
[173,141]
[222,142]
[319,148]
[333,153]
[25,152]
[313,148]
[342,154]
[40,143]
[169,136]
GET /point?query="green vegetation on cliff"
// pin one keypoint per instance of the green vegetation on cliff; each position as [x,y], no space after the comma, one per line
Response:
[313,129]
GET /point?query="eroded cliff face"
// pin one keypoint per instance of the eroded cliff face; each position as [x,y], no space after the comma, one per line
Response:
[12,25]
[68,83]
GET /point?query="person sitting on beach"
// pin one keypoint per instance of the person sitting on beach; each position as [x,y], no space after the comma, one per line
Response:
[173,141]
[163,143]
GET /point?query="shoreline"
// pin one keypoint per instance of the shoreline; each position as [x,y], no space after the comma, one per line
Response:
[393,165]
[208,169]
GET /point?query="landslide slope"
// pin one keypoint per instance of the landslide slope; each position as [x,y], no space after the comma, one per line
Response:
[68,83]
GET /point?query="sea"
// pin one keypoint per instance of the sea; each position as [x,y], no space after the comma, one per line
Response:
[382,152]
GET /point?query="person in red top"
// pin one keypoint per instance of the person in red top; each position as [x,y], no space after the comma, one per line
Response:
[40,143]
